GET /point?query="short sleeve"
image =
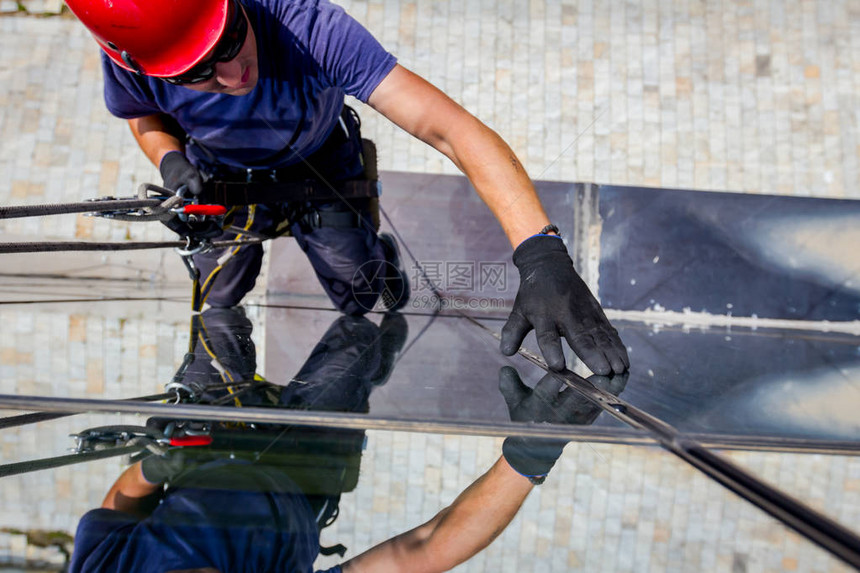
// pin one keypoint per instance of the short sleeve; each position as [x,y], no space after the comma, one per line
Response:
[348,53]
[126,95]
[99,538]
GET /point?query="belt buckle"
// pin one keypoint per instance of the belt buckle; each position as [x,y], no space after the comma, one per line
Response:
[309,188]
[253,175]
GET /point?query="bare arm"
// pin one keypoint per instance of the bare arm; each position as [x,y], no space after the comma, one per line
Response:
[457,532]
[132,494]
[498,176]
[156,135]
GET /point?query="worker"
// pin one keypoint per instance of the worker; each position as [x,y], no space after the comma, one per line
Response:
[253,90]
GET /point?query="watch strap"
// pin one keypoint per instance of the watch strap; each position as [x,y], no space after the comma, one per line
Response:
[550,228]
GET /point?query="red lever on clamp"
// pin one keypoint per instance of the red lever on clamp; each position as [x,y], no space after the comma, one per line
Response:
[204,209]
[191,441]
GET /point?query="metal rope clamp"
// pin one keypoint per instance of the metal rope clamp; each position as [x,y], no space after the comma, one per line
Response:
[146,191]
[190,210]
[172,205]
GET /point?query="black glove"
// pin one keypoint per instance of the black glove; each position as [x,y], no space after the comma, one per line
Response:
[554,300]
[550,402]
[162,469]
[206,229]
[178,172]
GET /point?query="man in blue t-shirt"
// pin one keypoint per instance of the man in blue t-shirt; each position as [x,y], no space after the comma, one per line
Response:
[261,522]
[254,89]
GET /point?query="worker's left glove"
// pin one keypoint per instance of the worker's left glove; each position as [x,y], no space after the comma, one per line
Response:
[209,228]
[552,402]
[556,302]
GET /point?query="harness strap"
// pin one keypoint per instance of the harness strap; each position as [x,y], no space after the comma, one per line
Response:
[235,193]
[317,219]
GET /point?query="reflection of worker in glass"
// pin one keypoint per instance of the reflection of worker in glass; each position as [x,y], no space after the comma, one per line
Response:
[353,356]
[255,498]
[260,510]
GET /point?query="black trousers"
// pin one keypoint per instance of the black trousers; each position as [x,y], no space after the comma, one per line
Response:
[347,260]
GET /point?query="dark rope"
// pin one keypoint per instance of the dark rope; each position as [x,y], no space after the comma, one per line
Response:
[95,206]
[67,460]
[60,246]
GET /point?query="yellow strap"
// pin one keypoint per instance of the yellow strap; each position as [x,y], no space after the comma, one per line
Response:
[210,280]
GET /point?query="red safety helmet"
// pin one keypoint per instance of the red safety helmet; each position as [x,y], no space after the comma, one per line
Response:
[160,38]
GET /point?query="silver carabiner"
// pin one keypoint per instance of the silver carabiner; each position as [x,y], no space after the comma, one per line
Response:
[177,387]
[192,249]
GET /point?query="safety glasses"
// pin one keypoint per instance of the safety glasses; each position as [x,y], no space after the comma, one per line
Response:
[227,48]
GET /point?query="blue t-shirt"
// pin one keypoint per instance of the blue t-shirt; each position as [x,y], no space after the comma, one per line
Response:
[230,530]
[310,54]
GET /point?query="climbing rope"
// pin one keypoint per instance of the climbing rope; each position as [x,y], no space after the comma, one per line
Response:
[45,247]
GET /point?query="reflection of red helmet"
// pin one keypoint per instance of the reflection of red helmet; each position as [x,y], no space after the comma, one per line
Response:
[160,38]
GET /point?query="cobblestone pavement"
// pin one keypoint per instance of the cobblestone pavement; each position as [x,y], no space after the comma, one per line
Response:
[749,96]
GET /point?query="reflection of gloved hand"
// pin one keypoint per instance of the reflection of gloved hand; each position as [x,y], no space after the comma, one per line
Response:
[162,469]
[554,300]
[178,172]
[551,402]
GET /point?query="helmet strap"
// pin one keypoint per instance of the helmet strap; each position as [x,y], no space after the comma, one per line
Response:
[129,61]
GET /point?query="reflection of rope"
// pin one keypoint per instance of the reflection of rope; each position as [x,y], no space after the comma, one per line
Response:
[70,459]
[32,418]
[151,445]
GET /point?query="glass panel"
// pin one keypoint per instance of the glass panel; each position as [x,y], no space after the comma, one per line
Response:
[778,386]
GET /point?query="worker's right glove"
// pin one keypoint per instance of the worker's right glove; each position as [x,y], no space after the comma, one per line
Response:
[178,173]
[556,302]
[552,402]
